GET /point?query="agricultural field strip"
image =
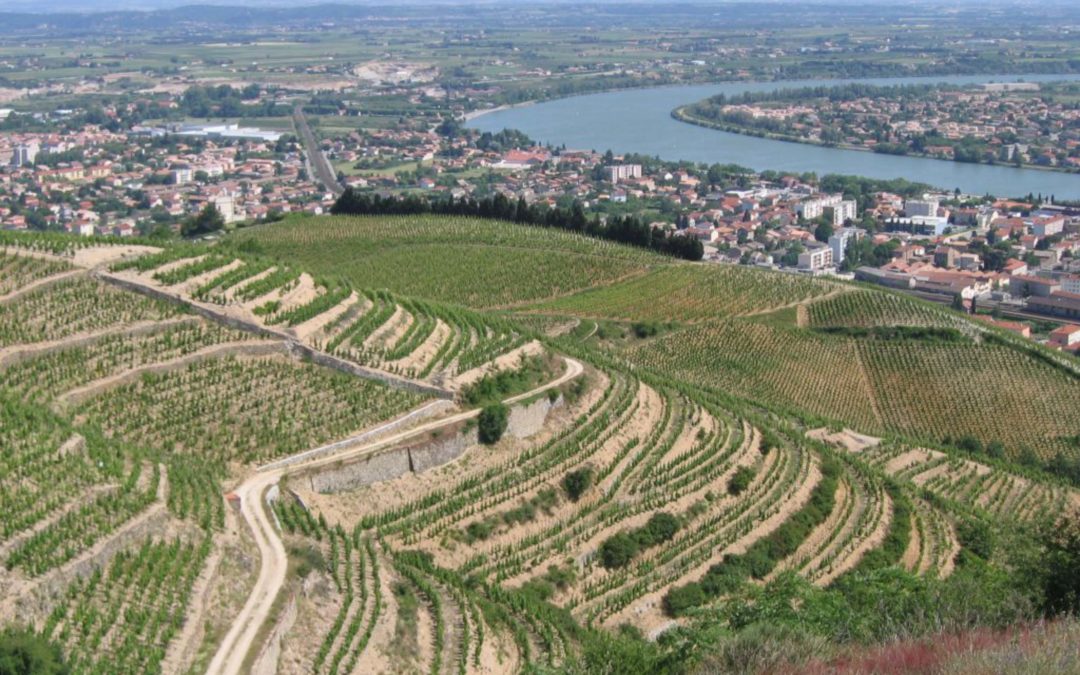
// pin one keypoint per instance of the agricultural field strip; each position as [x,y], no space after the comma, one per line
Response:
[238,641]
[690,293]
[74,307]
[365,337]
[120,618]
[51,374]
[36,284]
[998,492]
[209,407]
[730,525]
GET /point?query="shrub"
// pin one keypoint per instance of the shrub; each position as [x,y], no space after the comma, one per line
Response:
[660,528]
[575,483]
[618,550]
[645,329]
[478,530]
[24,652]
[977,537]
[679,600]
[492,423]
[740,481]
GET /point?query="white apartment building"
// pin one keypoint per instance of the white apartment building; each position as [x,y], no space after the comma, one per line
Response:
[814,207]
[842,212]
[816,259]
[24,154]
[620,172]
[839,240]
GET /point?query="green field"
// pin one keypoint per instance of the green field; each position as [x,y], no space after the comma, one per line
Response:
[481,264]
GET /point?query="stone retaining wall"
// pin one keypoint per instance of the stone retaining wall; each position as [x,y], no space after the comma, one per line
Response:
[424,455]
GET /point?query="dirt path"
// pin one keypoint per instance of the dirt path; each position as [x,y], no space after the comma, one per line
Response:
[239,641]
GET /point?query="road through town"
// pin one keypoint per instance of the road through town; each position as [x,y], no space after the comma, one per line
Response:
[324,173]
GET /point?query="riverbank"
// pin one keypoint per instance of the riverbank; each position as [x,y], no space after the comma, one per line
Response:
[682,114]
[640,121]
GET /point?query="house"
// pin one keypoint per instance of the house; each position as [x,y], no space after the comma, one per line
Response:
[1066,337]
[1022,286]
[1065,305]
[1014,267]
[946,256]
[1021,329]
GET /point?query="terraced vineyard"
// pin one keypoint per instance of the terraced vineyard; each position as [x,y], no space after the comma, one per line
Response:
[293,443]
[415,339]
[124,416]
[18,271]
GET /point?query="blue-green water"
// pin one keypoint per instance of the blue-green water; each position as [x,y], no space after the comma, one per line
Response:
[639,120]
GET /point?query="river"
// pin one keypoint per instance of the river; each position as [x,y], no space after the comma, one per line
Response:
[639,120]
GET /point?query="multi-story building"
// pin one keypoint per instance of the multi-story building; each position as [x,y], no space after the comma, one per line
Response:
[816,259]
[921,207]
[842,212]
[839,240]
[620,172]
[24,154]
[814,207]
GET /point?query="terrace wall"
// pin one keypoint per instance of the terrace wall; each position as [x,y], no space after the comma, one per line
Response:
[525,420]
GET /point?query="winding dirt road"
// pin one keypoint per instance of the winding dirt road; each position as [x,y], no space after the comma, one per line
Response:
[240,639]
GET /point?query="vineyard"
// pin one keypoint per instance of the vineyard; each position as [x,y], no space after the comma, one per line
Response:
[472,262]
[411,338]
[784,368]
[125,416]
[691,293]
[866,309]
[293,429]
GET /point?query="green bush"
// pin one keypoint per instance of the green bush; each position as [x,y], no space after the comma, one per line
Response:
[575,483]
[740,481]
[24,652]
[618,550]
[686,597]
[492,423]
[660,528]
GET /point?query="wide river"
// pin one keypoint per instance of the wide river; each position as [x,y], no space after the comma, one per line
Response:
[639,120]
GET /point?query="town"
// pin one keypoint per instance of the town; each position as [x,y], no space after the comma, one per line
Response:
[1014,123]
[992,256]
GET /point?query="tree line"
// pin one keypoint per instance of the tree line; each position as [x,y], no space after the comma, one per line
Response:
[623,229]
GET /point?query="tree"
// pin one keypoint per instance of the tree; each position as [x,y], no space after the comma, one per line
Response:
[740,481]
[577,482]
[1060,566]
[823,231]
[208,220]
[958,302]
[618,550]
[492,423]
[24,652]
